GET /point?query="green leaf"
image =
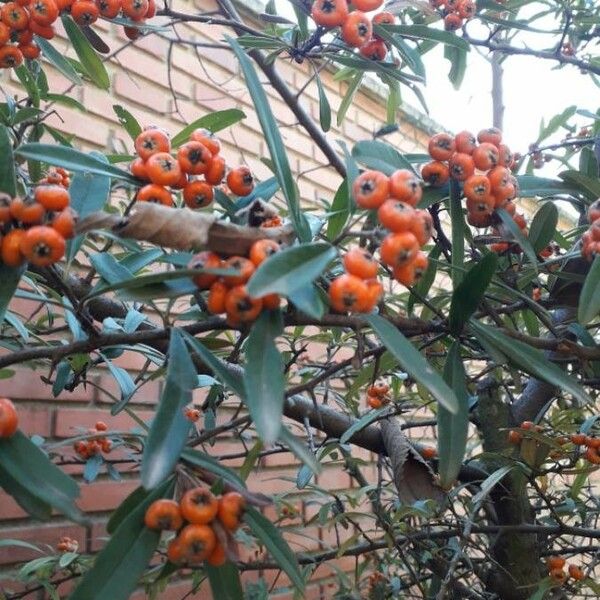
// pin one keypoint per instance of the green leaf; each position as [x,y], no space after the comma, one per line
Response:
[349,96]
[341,208]
[422,32]
[380,156]
[271,539]
[274,142]
[90,61]
[519,237]
[489,483]
[65,101]
[589,299]
[73,160]
[530,185]
[120,564]
[33,471]
[89,193]
[56,59]
[453,428]
[8,181]
[215,121]
[361,423]
[458,62]
[129,122]
[300,450]
[589,186]
[264,377]
[413,362]
[543,226]
[126,507]
[556,122]
[470,291]
[169,431]
[208,463]
[308,300]
[409,55]
[291,269]
[324,108]
[6,543]
[226,373]
[424,285]
[25,498]
[29,83]
[225,583]
[10,281]
[125,383]
[528,359]
[457,220]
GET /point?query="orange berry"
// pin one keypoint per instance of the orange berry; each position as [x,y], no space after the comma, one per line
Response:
[485,156]
[348,293]
[367,5]
[194,158]
[396,215]
[477,187]
[370,189]
[429,452]
[374,402]
[215,303]
[271,301]
[465,142]
[244,267]
[558,576]
[198,542]
[514,437]
[576,572]
[152,141]
[399,248]
[240,306]
[231,508]
[374,294]
[205,260]
[9,419]
[491,135]
[452,22]
[43,246]
[198,194]
[578,439]
[405,186]
[422,226]
[138,169]
[199,506]
[11,248]
[10,57]
[360,262]
[217,557]
[14,16]
[462,166]
[374,49]
[216,170]
[240,181]
[109,8]
[44,12]
[157,194]
[84,12]
[27,211]
[357,29]
[329,13]
[64,222]
[262,249]
[207,139]
[163,169]
[435,173]
[593,212]
[134,9]
[175,551]
[163,514]
[441,146]
[466,8]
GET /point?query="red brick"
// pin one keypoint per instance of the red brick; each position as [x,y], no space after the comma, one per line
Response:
[27,385]
[103,495]
[70,422]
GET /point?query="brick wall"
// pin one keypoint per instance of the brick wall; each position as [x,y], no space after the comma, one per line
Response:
[199,83]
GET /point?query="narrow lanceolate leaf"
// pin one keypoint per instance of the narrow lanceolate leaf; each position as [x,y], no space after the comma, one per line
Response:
[411,360]
[73,160]
[528,359]
[349,96]
[8,182]
[226,373]
[458,64]
[543,226]
[422,32]
[90,61]
[170,427]
[291,269]
[340,210]
[9,280]
[214,122]
[264,376]
[25,498]
[43,482]
[470,291]
[58,60]
[208,463]
[119,566]
[225,583]
[380,156]
[271,539]
[129,122]
[300,450]
[274,142]
[324,108]
[520,238]
[589,300]
[453,428]
[458,234]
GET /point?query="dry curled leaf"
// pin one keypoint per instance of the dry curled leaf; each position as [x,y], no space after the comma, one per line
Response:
[184,229]
[413,477]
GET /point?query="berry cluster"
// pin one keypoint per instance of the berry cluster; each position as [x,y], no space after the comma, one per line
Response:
[377,395]
[22,19]
[590,240]
[35,228]
[203,523]
[198,156]
[356,26]
[395,198]
[556,571]
[454,12]
[87,448]
[228,294]
[483,169]
[357,290]
[67,544]
[9,419]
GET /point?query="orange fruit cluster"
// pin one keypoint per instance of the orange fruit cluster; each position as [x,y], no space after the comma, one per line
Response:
[482,165]
[590,240]
[454,12]
[35,228]
[357,290]
[199,156]
[377,395]
[556,565]
[9,419]
[203,523]
[67,544]
[87,448]
[356,25]
[395,198]
[592,445]
[228,294]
